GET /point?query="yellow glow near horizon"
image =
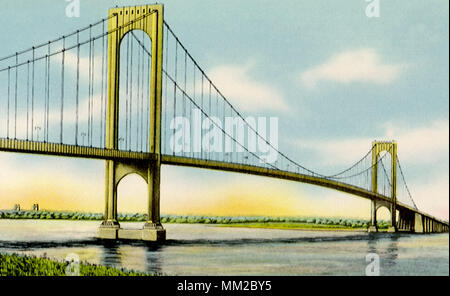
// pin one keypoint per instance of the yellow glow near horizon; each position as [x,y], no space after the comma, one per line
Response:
[182,193]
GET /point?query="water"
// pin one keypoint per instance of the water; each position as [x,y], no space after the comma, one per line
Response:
[211,250]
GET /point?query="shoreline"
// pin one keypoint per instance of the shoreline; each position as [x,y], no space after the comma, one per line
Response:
[310,227]
[262,222]
[268,222]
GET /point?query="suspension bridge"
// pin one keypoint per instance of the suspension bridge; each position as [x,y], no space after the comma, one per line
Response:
[127,91]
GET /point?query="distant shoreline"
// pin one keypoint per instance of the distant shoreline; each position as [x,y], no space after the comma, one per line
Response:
[303,223]
[288,226]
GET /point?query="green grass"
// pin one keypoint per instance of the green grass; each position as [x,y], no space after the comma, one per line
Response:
[18,265]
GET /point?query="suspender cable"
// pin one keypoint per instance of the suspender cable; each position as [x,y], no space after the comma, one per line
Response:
[15,98]
[201,120]
[62,91]
[48,95]
[9,91]
[45,97]
[89,88]
[77,94]
[166,111]
[193,97]
[92,92]
[223,120]
[126,92]
[147,82]
[46,83]
[217,112]
[28,97]
[141,88]
[184,99]
[209,140]
[131,92]
[232,148]
[32,98]
[142,91]
[175,91]
[105,86]
[147,133]
[138,96]
[102,87]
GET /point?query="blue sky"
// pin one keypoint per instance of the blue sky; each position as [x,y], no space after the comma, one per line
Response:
[335,78]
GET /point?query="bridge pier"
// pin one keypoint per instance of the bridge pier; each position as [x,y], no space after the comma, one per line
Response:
[419,223]
[393,227]
[406,221]
[373,217]
[115,172]
[424,224]
[375,205]
[110,227]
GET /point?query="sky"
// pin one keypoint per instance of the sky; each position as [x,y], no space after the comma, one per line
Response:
[335,78]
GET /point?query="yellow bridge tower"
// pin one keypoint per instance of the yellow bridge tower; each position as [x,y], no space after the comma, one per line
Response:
[391,148]
[148,18]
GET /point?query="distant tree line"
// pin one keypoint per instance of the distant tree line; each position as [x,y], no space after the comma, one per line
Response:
[65,215]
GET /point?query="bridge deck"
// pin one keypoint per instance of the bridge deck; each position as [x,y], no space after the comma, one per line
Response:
[260,171]
[101,153]
[34,147]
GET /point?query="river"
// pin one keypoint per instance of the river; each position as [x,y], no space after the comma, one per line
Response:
[194,249]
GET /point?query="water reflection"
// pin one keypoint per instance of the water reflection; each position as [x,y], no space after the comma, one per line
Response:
[109,254]
[153,258]
[132,255]
[392,251]
[386,246]
[207,250]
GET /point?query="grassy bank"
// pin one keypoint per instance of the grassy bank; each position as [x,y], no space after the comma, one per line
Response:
[281,222]
[18,265]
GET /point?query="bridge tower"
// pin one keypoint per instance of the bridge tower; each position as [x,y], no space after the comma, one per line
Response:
[148,18]
[391,148]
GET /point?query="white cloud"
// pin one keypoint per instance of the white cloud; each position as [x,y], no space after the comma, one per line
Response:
[426,144]
[337,152]
[244,92]
[54,116]
[361,65]
[421,145]
[432,197]
[71,61]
